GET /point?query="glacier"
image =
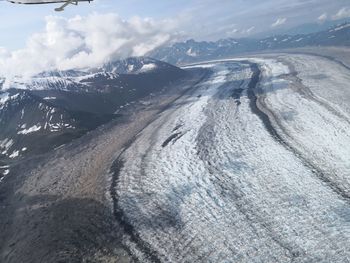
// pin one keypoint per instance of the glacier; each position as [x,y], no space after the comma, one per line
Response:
[252,166]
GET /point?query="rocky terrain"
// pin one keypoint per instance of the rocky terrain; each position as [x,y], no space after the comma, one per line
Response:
[53,108]
[54,206]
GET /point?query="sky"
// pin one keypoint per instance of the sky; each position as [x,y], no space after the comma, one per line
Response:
[199,19]
[34,37]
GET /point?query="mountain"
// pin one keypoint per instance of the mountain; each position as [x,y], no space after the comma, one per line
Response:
[303,29]
[192,51]
[53,108]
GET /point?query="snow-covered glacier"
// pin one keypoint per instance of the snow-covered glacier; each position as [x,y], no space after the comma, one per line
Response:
[253,165]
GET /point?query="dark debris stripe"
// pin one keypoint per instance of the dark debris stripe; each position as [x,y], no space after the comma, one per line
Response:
[273,132]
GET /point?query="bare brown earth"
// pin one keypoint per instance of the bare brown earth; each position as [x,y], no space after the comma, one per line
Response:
[55,208]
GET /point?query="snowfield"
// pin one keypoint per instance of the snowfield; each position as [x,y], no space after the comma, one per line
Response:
[252,166]
[34,128]
[148,67]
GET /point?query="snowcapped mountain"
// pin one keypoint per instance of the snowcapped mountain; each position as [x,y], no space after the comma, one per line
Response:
[52,108]
[192,51]
[135,65]
[79,80]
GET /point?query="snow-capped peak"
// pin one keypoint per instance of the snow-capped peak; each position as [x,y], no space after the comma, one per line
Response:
[80,79]
[340,27]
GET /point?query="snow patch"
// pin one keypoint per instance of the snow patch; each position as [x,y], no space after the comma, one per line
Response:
[148,67]
[130,68]
[5,145]
[14,154]
[4,97]
[191,53]
[34,128]
[340,27]
[199,66]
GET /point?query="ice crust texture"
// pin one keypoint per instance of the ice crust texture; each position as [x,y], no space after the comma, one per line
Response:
[245,173]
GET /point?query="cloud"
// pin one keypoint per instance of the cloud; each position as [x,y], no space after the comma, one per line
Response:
[3,53]
[279,22]
[86,42]
[342,13]
[322,17]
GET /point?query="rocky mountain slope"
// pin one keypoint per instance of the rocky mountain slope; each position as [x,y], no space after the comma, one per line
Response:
[52,108]
[56,207]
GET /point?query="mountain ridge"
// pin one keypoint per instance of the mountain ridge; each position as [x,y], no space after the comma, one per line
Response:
[52,108]
[193,51]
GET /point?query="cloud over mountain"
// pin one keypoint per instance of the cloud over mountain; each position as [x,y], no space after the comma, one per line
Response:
[86,41]
[322,17]
[342,13]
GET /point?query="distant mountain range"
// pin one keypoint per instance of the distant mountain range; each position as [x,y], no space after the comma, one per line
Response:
[52,108]
[303,29]
[192,51]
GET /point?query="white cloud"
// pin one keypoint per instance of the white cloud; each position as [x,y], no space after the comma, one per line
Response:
[3,53]
[86,42]
[279,22]
[322,17]
[342,13]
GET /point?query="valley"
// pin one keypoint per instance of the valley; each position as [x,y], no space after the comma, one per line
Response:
[242,160]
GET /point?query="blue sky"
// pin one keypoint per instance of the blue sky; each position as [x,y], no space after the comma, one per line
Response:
[202,19]
[34,38]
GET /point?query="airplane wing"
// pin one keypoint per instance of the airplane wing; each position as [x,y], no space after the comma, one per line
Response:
[61,8]
[44,1]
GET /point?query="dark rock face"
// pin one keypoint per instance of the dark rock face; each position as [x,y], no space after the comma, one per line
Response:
[54,204]
[86,232]
[55,107]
